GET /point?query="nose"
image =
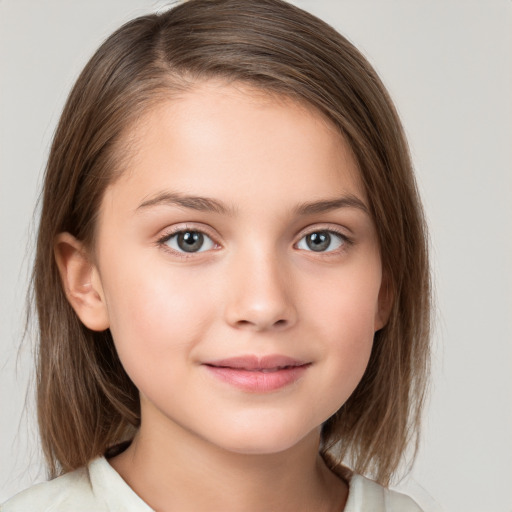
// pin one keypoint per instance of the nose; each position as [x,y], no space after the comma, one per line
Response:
[259,293]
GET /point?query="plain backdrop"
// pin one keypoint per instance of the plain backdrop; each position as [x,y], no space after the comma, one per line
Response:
[447,65]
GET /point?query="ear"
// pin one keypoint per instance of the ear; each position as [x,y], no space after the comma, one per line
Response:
[81,282]
[384,304]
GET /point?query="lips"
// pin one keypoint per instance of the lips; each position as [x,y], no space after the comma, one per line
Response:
[258,374]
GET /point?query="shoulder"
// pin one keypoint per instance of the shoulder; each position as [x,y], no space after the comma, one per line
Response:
[71,491]
[365,494]
[97,487]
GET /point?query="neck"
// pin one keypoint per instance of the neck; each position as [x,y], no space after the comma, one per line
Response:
[184,472]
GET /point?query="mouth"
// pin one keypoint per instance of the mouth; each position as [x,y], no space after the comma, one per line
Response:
[256,374]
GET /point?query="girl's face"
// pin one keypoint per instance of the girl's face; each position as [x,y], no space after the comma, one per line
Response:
[238,269]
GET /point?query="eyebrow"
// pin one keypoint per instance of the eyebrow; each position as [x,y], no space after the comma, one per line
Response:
[348,201]
[202,204]
[206,204]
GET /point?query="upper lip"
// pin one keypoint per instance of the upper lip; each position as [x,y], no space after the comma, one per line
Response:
[255,362]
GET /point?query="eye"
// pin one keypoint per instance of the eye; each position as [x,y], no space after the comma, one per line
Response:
[321,241]
[189,241]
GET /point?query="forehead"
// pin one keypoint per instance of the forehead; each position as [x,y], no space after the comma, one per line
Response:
[216,137]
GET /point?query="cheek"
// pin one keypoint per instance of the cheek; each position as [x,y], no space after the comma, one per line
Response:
[349,335]
[342,313]
[345,304]
[352,326]
[155,315]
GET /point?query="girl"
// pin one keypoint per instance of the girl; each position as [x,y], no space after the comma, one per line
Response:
[231,276]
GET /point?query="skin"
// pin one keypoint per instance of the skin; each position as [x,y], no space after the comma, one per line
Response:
[255,288]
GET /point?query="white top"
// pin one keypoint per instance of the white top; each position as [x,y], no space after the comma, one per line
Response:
[99,488]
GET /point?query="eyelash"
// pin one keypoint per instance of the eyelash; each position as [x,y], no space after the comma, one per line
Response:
[162,242]
[346,241]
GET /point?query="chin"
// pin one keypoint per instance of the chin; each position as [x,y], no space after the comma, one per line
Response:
[268,442]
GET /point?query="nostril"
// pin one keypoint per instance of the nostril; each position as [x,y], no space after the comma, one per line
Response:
[243,323]
[248,323]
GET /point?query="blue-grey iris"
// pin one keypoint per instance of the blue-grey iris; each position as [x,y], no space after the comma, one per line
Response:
[190,241]
[318,241]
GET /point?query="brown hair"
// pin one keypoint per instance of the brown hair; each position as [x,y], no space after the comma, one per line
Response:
[86,402]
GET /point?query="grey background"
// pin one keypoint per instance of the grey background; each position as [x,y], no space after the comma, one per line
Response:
[447,64]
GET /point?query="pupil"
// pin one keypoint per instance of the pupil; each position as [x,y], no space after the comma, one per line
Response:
[318,241]
[190,241]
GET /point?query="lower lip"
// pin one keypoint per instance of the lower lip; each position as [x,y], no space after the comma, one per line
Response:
[257,381]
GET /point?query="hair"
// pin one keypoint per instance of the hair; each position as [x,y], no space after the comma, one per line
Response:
[86,401]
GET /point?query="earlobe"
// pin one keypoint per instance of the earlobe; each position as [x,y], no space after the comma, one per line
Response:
[385,304]
[81,282]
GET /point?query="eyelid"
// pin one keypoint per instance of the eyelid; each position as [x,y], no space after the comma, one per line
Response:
[329,228]
[213,235]
[332,228]
[171,231]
